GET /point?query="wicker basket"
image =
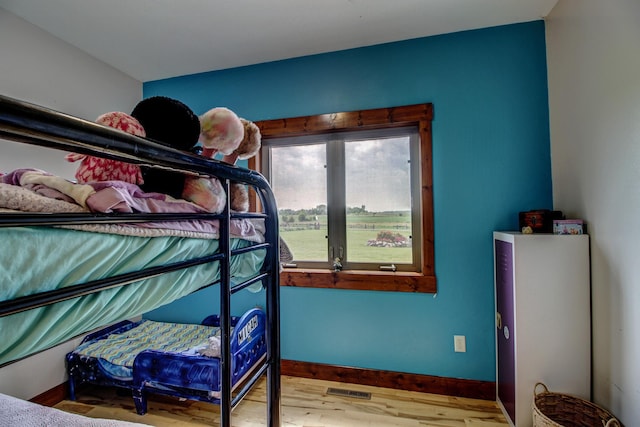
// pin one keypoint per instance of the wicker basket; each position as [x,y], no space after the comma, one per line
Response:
[563,410]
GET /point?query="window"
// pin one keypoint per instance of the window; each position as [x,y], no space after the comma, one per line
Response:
[355,187]
[347,197]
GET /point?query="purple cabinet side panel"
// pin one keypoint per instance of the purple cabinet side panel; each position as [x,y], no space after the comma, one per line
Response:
[504,334]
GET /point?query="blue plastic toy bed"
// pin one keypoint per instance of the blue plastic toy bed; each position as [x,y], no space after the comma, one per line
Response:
[69,273]
[168,358]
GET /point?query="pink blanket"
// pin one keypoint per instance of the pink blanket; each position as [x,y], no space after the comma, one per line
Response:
[30,190]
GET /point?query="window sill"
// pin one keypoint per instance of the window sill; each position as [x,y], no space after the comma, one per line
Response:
[358,280]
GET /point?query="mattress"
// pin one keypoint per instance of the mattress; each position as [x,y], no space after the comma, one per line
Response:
[117,352]
[69,257]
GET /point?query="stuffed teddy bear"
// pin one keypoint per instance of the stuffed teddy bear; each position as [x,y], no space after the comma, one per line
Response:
[205,192]
[92,169]
[248,147]
[212,348]
[222,131]
[171,123]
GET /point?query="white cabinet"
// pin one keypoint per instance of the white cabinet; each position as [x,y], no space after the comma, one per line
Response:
[543,318]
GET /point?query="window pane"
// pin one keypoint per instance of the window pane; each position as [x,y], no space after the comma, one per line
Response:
[299,182]
[378,201]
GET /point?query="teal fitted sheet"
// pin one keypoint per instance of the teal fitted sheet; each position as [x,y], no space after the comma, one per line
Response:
[36,259]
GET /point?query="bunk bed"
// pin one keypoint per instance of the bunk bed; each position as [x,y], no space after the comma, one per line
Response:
[72,272]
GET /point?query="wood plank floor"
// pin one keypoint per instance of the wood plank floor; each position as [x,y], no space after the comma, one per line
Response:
[305,403]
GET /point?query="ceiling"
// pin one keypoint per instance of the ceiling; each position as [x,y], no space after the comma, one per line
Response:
[155,39]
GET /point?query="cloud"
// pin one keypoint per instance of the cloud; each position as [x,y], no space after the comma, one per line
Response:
[377,175]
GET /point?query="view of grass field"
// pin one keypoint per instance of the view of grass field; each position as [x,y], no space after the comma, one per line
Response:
[369,237]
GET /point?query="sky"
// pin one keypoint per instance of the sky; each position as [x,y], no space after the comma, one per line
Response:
[377,175]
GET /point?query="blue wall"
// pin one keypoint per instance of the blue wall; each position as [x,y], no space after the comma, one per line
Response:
[491,159]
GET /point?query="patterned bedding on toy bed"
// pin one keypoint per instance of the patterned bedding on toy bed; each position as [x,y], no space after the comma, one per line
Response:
[116,354]
[181,360]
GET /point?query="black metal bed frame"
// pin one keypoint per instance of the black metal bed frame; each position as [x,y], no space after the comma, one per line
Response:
[28,123]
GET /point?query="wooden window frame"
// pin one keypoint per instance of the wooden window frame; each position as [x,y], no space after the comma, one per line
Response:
[420,115]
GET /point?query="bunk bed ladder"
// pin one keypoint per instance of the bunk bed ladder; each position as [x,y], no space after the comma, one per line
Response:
[271,284]
[225,314]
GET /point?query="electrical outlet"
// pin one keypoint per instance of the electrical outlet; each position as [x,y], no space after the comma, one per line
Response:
[459,344]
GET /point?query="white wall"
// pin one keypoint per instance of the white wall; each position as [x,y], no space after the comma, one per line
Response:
[38,68]
[594,95]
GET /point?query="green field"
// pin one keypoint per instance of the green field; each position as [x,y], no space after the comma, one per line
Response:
[308,243]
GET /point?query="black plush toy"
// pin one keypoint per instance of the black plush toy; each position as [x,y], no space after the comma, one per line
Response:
[171,123]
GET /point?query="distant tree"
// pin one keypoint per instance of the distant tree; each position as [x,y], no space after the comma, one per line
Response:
[284,212]
[356,210]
